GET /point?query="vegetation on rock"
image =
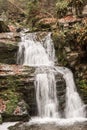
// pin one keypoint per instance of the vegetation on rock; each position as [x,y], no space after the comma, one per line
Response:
[63,6]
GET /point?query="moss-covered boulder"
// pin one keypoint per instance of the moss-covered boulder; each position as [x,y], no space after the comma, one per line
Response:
[13,108]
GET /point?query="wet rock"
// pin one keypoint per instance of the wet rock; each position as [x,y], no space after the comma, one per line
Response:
[53,126]
[61,91]
[0,119]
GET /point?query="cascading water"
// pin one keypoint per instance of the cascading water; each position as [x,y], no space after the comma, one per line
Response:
[75,108]
[40,54]
[31,52]
[46,95]
[35,54]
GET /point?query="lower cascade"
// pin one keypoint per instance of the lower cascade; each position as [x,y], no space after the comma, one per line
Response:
[46,95]
[41,54]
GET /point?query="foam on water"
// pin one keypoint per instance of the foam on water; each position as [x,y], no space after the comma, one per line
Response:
[5,126]
[31,52]
[57,121]
[46,95]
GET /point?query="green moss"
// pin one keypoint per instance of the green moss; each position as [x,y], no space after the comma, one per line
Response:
[12,98]
[73,38]
[12,102]
[59,43]
[83,85]
[61,7]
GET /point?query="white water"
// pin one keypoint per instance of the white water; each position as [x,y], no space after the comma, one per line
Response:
[56,121]
[75,108]
[5,126]
[35,53]
[31,52]
[49,47]
[46,95]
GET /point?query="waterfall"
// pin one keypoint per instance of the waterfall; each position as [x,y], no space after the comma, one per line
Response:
[32,51]
[75,108]
[41,54]
[46,95]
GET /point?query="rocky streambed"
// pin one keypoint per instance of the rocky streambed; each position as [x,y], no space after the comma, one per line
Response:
[52,126]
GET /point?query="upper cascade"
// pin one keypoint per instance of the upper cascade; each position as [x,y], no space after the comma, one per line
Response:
[36,53]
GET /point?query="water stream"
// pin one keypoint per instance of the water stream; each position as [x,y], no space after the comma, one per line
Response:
[41,54]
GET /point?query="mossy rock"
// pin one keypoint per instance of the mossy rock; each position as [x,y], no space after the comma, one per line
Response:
[18,92]
[13,106]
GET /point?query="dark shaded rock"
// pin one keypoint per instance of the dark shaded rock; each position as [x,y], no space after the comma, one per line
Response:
[3,27]
[61,91]
[8,53]
[8,47]
[0,119]
[13,118]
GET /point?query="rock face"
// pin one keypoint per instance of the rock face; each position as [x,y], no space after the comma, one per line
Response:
[17,92]
[15,83]
[8,47]
[72,55]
